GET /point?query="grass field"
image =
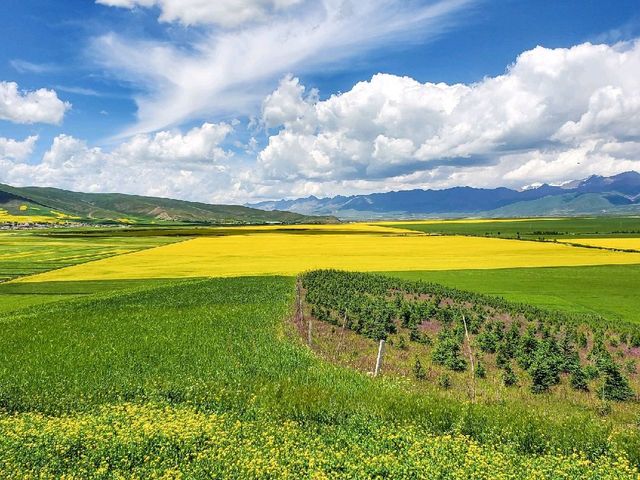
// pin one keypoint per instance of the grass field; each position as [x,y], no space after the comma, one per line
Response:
[608,290]
[136,366]
[530,227]
[28,253]
[286,254]
[200,379]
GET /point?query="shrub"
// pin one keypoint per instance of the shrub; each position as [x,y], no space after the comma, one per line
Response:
[444,381]
[509,377]
[615,386]
[446,351]
[418,370]
[578,380]
[545,369]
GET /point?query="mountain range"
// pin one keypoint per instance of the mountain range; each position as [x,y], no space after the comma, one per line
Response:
[52,205]
[596,195]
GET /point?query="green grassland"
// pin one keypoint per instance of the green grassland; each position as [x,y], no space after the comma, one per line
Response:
[534,228]
[202,378]
[26,253]
[609,290]
[207,378]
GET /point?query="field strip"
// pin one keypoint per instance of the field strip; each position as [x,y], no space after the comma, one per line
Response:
[613,243]
[289,254]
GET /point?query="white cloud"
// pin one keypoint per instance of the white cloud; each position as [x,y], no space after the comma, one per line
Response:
[190,166]
[15,149]
[39,106]
[226,13]
[554,115]
[223,71]
[23,66]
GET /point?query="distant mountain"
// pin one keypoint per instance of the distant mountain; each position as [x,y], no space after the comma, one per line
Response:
[594,195]
[41,204]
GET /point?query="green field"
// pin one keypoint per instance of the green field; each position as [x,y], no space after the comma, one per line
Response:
[26,253]
[534,228]
[208,378]
[201,377]
[606,290]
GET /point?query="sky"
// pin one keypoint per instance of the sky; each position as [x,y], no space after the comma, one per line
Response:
[239,101]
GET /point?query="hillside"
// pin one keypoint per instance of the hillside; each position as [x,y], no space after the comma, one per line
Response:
[619,194]
[39,204]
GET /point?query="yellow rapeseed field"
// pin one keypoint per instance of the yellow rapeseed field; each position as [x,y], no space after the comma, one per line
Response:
[617,243]
[273,253]
[7,217]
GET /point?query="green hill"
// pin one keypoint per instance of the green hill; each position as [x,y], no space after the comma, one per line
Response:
[40,204]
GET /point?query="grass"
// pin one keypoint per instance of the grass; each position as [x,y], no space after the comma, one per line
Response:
[531,227]
[16,296]
[609,290]
[27,253]
[271,253]
[201,377]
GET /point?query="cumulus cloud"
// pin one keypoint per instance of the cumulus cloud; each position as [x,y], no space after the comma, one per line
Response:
[554,115]
[39,106]
[193,165]
[221,71]
[15,149]
[226,13]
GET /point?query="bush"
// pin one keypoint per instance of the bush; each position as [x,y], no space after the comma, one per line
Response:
[447,351]
[418,370]
[509,377]
[578,380]
[616,386]
[591,372]
[444,381]
[545,369]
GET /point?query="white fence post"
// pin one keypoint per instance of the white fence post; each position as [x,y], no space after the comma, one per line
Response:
[379,360]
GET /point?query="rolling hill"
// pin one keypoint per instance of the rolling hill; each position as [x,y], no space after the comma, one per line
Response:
[44,205]
[619,194]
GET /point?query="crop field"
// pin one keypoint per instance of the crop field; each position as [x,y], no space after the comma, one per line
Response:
[288,254]
[178,353]
[26,253]
[530,228]
[614,243]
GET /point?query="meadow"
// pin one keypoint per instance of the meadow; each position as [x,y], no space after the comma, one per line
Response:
[607,290]
[213,383]
[530,228]
[176,357]
[27,253]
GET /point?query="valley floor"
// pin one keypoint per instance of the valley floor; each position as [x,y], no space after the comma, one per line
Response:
[141,365]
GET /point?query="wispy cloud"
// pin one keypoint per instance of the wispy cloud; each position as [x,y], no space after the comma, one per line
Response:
[230,71]
[88,92]
[23,66]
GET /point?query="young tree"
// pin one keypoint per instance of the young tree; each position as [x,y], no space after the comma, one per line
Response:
[615,385]
[578,379]
[545,369]
[418,370]
[509,377]
[446,351]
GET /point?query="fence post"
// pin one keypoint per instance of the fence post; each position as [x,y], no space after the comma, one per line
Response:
[473,370]
[379,360]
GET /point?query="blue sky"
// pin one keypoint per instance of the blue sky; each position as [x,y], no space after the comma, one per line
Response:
[129,69]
